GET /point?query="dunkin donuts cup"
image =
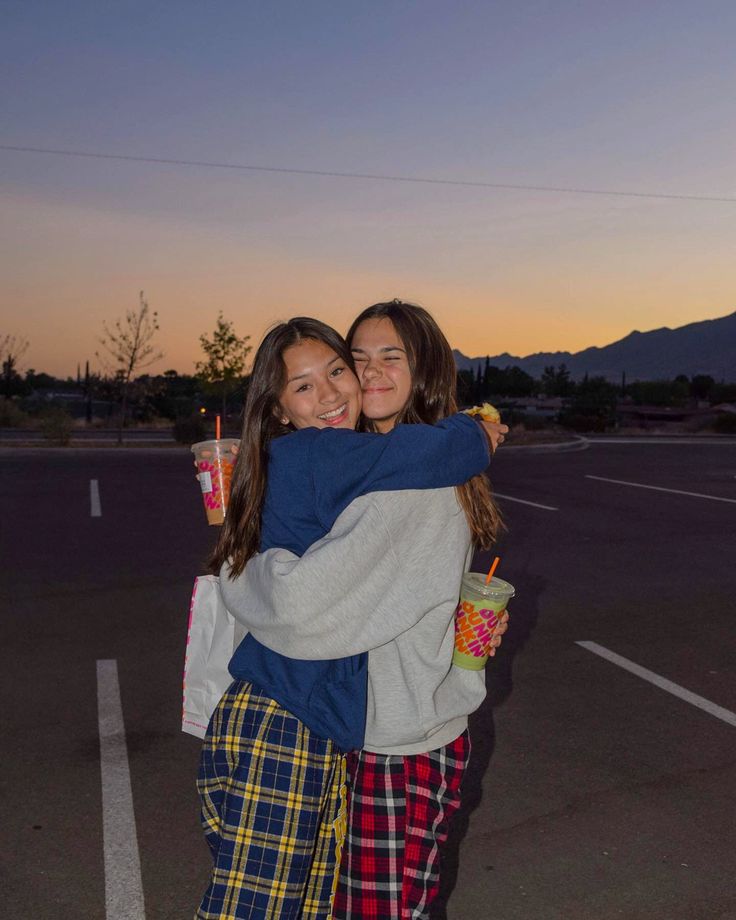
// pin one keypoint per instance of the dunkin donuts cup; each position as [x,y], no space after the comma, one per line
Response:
[478,612]
[215,461]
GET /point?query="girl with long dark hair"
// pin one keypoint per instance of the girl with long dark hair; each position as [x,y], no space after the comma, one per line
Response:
[399,560]
[272,769]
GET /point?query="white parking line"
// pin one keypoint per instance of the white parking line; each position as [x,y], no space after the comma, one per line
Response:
[523,501]
[657,439]
[123,886]
[675,689]
[640,485]
[95,508]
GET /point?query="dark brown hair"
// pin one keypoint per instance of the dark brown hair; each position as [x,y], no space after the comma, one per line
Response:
[240,536]
[433,397]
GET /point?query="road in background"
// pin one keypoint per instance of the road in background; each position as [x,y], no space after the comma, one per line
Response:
[108,435]
[592,794]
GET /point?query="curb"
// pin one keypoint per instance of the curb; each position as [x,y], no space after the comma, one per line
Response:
[8,447]
[579,443]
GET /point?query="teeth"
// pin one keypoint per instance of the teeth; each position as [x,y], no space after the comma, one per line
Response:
[334,413]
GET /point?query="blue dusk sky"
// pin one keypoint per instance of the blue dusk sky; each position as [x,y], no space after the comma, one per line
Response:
[626,97]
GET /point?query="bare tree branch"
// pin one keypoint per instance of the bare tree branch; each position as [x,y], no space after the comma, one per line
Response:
[129,346]
[12,349]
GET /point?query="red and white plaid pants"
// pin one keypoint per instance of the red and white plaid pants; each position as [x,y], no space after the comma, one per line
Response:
[400,809]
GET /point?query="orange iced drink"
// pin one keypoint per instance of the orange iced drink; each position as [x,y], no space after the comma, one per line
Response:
[215,461]
[478,614]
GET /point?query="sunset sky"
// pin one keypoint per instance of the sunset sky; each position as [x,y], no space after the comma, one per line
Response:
[631,97]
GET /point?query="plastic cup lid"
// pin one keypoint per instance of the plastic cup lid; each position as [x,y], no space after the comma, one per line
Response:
[497,587]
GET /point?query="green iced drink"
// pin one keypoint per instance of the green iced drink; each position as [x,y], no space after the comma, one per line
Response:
[480,608]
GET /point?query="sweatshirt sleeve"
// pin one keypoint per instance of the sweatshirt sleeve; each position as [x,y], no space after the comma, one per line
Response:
[346,464]
[347,594]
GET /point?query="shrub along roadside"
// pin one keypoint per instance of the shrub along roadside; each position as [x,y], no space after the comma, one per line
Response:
[11,415]
[56,426]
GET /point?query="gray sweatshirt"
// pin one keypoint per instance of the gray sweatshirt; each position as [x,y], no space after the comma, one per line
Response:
[386,580]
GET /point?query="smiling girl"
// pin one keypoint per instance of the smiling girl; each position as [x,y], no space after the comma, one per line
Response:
[272,770]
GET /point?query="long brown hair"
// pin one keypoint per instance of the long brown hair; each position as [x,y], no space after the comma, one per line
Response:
[240,536]
[433,397]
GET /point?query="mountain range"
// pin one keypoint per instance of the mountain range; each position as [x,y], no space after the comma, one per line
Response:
[707,347]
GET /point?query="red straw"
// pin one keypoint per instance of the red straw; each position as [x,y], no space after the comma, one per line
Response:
[492,569]
[217,427]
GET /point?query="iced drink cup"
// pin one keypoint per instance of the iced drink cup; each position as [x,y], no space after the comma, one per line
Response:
[481,607]
[215,461]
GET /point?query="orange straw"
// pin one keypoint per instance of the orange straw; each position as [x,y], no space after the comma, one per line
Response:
[217,427]
[492,569]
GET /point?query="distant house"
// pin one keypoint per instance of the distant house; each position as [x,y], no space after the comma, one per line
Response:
[548,407]
[693,416]
[74,402]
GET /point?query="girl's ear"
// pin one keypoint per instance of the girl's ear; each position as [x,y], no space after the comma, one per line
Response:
[279,413]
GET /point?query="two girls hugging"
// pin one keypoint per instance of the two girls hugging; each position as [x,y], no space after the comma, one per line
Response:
[342,553]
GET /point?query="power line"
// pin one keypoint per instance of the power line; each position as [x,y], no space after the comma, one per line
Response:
[565,190]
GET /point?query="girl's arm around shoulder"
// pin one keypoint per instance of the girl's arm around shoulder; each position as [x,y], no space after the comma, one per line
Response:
[346,464]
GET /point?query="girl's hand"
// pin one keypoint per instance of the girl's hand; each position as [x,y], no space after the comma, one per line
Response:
[496,432]
[233,451]
[498,630]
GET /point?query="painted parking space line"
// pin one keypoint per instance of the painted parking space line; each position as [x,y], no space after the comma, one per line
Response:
[95,508]
[123,885]
[523,501]
[641,485]
[725,715]
[657,440]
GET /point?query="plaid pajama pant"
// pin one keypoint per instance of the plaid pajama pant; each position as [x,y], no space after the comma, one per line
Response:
[400,809]
[274,811]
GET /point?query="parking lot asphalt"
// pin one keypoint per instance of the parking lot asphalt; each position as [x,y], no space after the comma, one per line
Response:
[593,793]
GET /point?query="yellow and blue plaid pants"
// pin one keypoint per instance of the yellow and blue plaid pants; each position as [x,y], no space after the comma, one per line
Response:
[274,812]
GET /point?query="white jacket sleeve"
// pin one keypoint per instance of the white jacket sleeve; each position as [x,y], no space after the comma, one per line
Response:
[348,593]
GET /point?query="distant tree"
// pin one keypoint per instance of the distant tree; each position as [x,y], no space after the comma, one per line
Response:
[492,380]
[723,392]
[39,381]
[87,390]
[225,358]
[12,349]
[465,387]
[477,396]
[513,381]
[486,373]
[129,347]
[659,392]
[593,407]
[701,386]
[144,397]
[178,395]
[556,381]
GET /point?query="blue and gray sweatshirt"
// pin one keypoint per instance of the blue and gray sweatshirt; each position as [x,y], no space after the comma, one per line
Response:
[313,475]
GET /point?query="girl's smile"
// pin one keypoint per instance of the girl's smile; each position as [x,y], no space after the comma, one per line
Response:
[321,390]
[383,368]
